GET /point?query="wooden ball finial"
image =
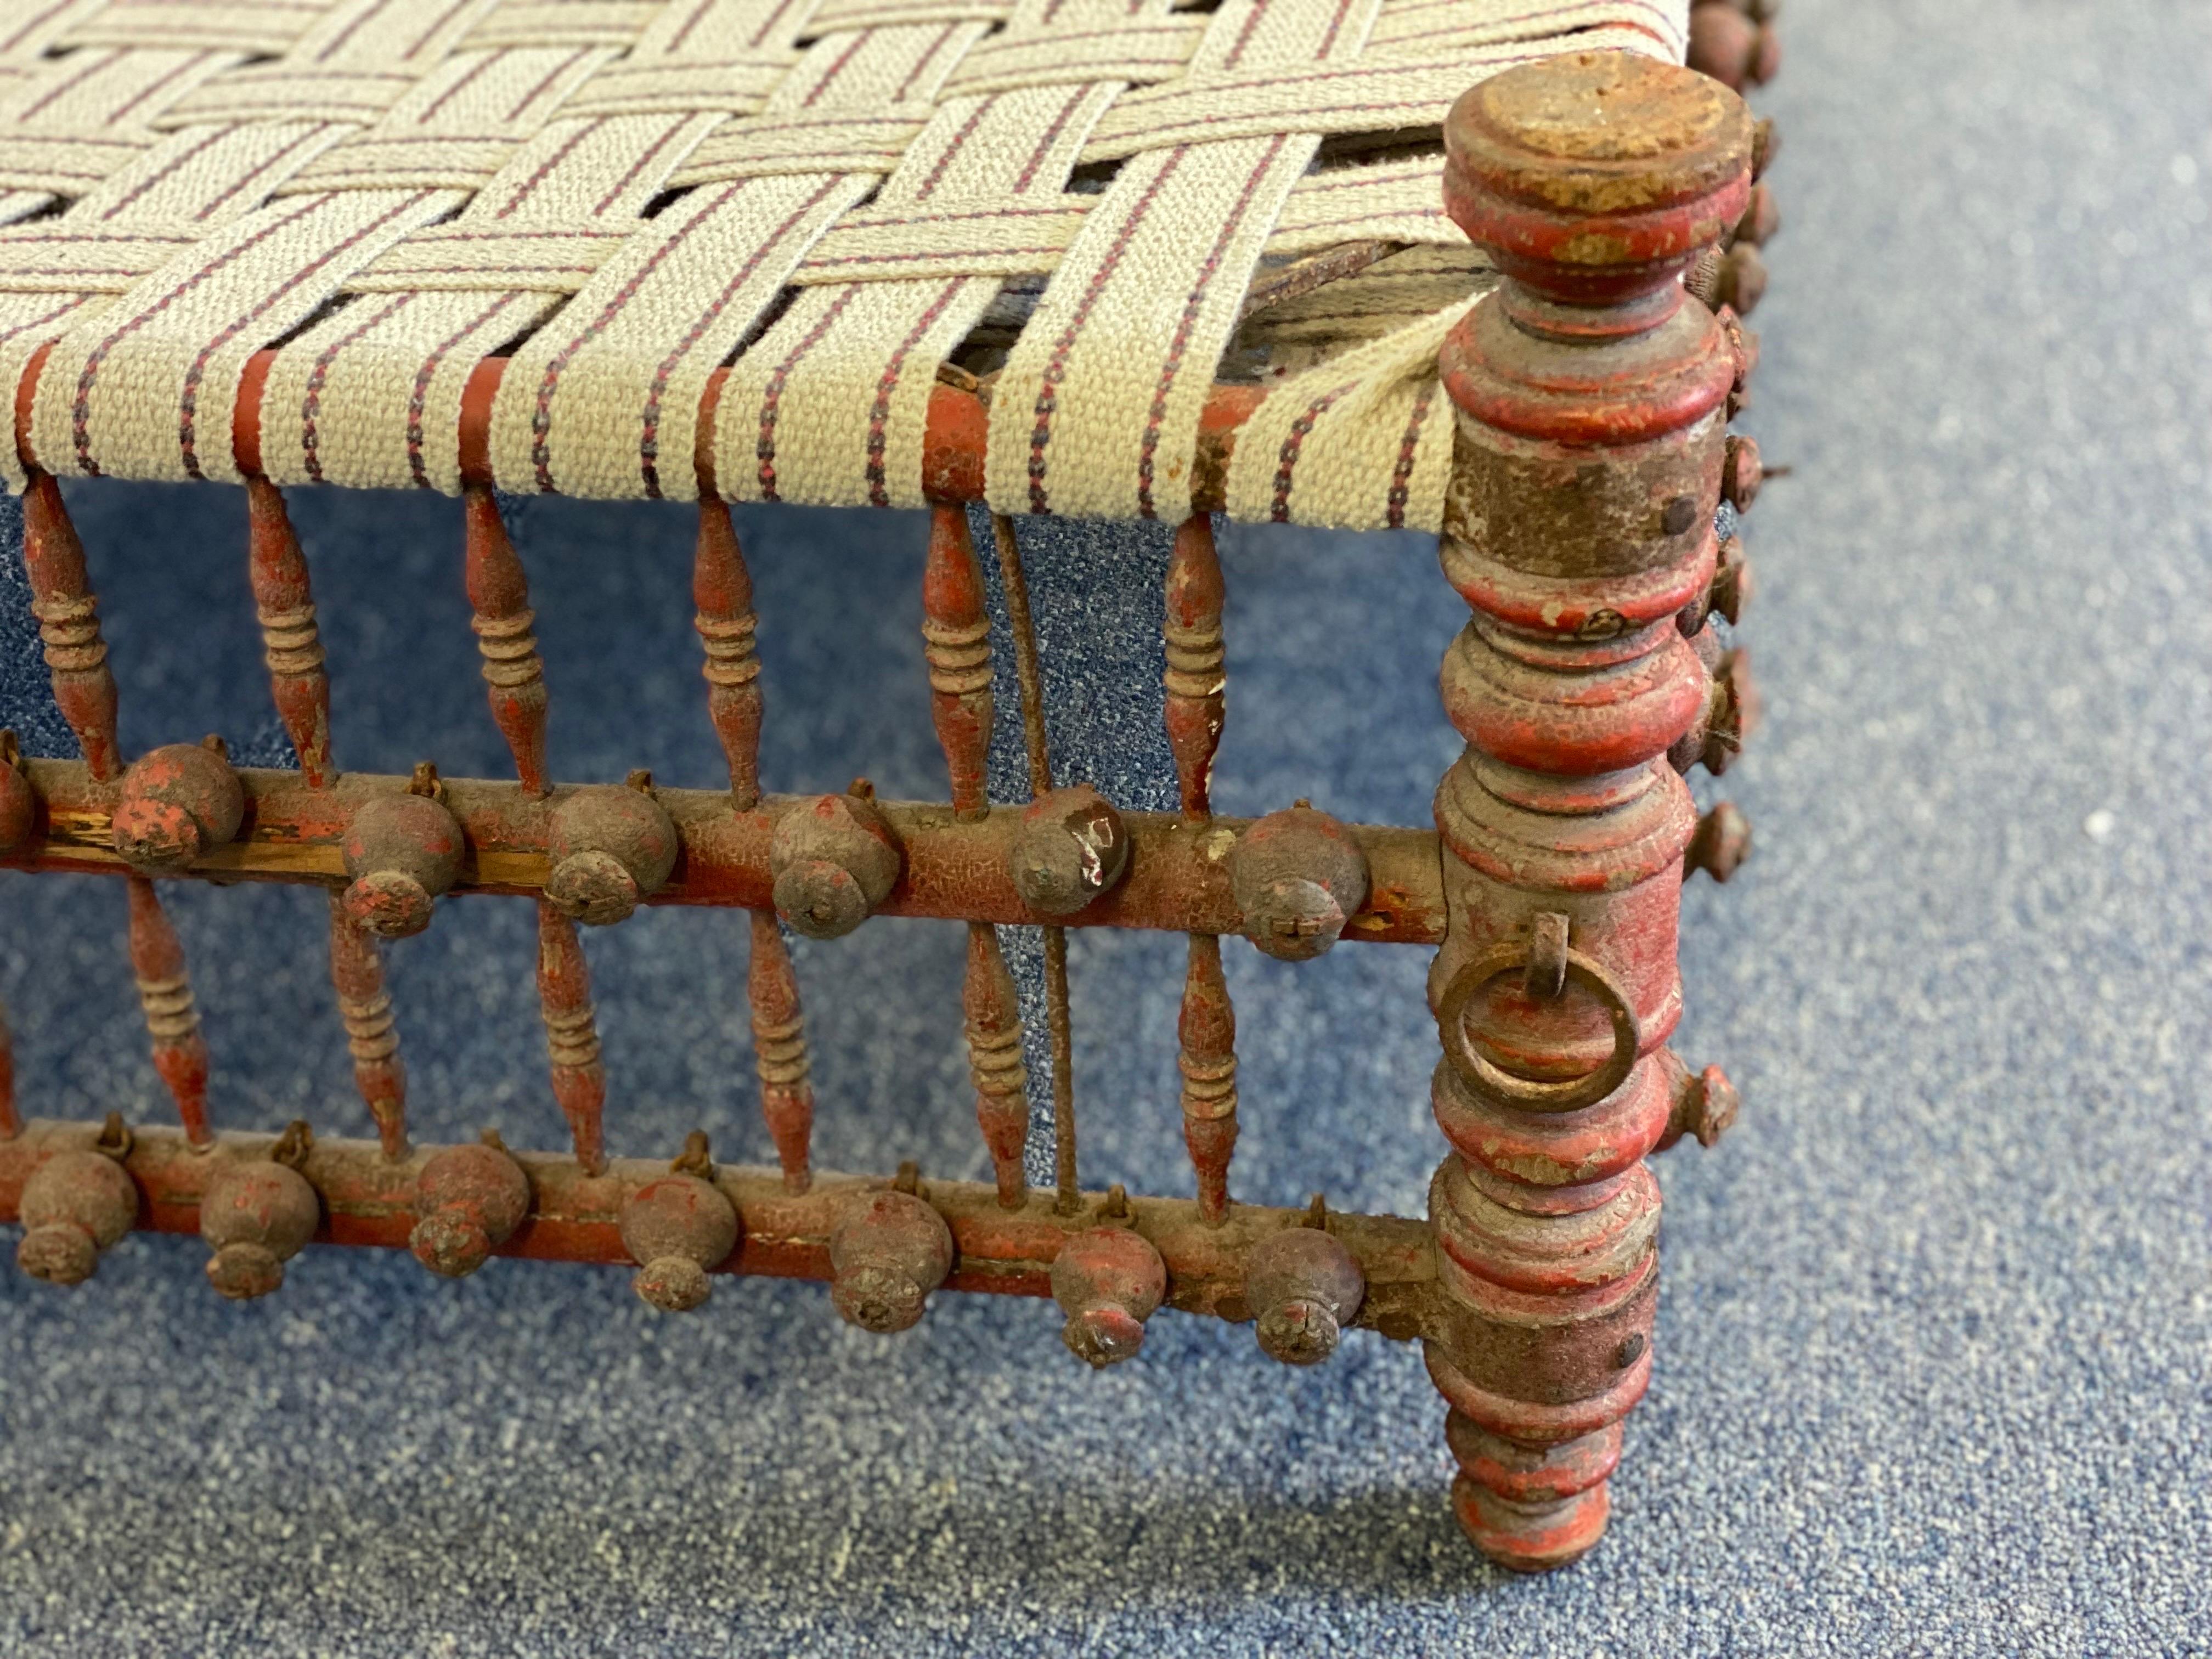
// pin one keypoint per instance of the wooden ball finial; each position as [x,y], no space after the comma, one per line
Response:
[1594,176]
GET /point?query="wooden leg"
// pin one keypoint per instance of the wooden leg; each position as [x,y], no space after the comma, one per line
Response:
[1579,526]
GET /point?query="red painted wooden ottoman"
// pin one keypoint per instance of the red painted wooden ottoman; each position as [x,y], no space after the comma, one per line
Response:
[1466,267]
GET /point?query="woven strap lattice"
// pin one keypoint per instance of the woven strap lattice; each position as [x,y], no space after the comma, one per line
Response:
[829,197]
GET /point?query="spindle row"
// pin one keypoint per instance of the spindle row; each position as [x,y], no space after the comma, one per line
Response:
[1298,877]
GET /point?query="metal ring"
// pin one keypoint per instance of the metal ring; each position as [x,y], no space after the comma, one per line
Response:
[1486,1076]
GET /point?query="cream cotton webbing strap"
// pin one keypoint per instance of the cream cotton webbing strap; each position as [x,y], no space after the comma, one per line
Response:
[830,406]
[1115,367]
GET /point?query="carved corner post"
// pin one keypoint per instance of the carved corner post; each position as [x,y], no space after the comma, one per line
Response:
[1591,395]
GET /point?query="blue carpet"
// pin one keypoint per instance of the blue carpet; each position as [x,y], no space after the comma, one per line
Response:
[1936,1328]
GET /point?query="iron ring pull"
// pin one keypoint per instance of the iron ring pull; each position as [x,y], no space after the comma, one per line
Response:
[1487,1077]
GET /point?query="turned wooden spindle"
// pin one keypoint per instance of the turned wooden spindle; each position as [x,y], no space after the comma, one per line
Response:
[68,626]
[292,646]
[514,675]
[572,1038]
[284,606]
[1206,1037]
[283,603]
[1195,681]
[722,591]
[995,1061]
[956,633]
[1195,713]
[164,994]
[780,1050]
[515,682]
[1591,393]
[357,975]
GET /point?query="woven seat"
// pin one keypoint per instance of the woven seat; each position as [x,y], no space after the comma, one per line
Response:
[1470,266]
[1093,207]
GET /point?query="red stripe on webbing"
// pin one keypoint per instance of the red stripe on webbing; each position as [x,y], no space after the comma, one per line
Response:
[952,448]
[27,390]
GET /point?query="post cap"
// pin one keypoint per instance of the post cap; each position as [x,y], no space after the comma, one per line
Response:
[1598,163]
